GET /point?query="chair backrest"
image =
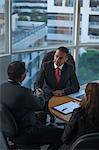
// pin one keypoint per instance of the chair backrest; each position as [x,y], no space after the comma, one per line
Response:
[9,129]
[8,124]
[50,56]
[3,142]
[88,141]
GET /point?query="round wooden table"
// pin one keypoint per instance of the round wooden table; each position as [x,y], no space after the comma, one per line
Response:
[54,101]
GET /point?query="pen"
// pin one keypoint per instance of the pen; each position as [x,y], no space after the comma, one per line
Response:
[64,109]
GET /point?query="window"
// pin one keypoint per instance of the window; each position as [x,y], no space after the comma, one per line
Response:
[45,25]
[58,2]
[56,16]
[29,24]
[32,22]
[89,22]
[94,3]
[93,26]
[3,25]
[69,3]
[88,65]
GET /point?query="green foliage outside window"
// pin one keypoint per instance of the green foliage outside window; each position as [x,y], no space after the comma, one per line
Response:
[88,66]
[38,16]
[23,18]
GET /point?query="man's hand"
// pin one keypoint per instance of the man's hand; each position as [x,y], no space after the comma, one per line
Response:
[39,92]
[58,93]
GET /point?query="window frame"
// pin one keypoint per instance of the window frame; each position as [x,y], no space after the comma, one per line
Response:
[75,45]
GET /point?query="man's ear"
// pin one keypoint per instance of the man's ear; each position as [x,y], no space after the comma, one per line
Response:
[23,76]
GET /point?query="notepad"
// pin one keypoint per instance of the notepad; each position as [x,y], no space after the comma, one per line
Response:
[67,108]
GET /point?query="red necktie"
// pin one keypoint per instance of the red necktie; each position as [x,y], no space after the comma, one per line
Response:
[57,74]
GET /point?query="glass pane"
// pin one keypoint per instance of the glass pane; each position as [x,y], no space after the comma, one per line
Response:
[41,23]
[58,2]
[69,3]
[2,27]
[32,61]
[88,65]
[89,22]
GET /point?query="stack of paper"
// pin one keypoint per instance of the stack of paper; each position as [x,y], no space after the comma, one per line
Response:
[78,95]
[67,107]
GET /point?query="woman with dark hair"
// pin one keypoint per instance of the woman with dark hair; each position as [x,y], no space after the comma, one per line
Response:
[84,119]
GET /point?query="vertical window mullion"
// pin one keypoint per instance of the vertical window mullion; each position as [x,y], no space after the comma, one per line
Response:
[10,26]
[76,29]
[6,9]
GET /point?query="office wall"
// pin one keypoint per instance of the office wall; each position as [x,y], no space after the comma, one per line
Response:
[4,61]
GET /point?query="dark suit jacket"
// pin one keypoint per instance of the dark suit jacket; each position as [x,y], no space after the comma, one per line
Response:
[68,81]
[79,124]
[21,102]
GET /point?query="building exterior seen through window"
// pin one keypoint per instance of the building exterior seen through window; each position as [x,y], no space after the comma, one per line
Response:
[2,26]
[40,23]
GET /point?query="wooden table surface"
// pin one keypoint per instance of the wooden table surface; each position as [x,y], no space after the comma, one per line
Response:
[54,101]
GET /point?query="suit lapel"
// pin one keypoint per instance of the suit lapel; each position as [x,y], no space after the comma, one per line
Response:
[63,74]
[53,73]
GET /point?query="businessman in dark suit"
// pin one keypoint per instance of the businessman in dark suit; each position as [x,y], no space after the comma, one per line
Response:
[23,104]
[68,80]
[57,83]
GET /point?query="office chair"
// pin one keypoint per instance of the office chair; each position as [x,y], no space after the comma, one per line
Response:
[3,142]
[9,130]
[88,141]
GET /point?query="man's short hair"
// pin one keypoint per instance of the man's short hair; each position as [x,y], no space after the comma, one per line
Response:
[15,70]
[63,49]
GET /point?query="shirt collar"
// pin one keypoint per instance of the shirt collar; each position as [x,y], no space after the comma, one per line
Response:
[55,66]
[9,80]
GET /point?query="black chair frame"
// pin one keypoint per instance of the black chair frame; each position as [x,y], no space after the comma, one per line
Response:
[88,141]
[9,130]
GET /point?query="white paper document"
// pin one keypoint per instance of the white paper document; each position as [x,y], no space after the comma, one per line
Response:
[67,107]
[78,95]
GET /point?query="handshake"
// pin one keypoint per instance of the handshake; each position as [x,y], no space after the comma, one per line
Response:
[39,92]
